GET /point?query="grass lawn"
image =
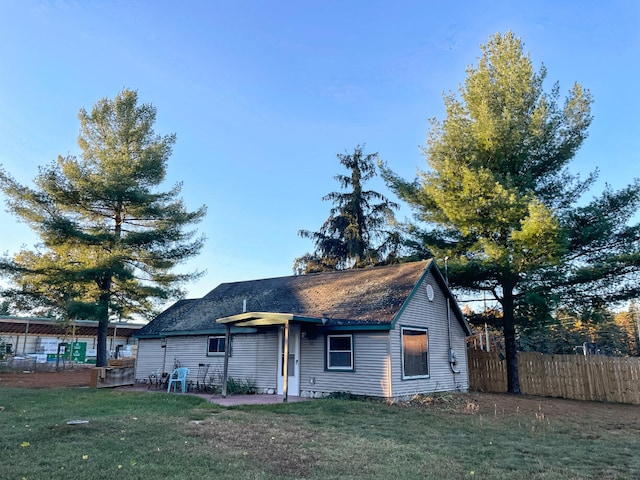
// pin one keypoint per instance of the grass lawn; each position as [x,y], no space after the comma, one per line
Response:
[140,435]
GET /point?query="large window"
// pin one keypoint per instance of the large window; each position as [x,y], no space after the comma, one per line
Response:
[216,345]
[415,347]
[340,352]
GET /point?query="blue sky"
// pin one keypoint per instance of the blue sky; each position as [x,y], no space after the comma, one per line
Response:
[262,95]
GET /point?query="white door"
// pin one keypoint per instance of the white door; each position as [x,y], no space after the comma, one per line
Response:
[293,367]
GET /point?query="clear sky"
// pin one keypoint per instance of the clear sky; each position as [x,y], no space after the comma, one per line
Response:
[262,95]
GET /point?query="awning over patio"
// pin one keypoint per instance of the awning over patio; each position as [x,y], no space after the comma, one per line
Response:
[267,319]
[263,319]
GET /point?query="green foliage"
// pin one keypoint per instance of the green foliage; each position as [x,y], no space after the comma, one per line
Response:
[348,396]
[5,307]
[629,322]
[240,386]
[613,335]
[110,238]
[498,199]
[357,232]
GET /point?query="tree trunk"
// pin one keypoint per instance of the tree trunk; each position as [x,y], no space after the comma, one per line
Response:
[102,356]
[511,352]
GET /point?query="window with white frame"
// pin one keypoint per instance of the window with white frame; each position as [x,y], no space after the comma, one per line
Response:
[216,345]
[415,349]
[340,352]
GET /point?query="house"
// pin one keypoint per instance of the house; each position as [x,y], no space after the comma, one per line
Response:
[391,331]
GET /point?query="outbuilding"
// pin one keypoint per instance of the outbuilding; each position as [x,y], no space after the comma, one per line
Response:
[39,338]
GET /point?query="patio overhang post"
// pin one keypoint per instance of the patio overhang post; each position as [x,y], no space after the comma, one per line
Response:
[227,343]
[26,334]
[285,363]
[115,332]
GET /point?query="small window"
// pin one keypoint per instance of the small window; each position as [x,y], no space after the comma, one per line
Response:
[216,345]
[415,348]
[340,352]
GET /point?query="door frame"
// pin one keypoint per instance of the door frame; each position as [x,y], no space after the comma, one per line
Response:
[293,381]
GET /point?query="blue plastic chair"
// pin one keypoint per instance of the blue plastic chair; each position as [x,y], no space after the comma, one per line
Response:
[178,375]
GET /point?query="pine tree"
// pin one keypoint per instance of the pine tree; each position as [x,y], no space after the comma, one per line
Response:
[110,238]
[499,201]
[357,233]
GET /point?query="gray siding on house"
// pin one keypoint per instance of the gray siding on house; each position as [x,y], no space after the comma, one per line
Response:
[149,358]
[423,313]
[374,299]
[371,367]
[188,351]
[253,357]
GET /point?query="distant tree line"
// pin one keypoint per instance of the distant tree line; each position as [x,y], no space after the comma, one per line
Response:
[603,332]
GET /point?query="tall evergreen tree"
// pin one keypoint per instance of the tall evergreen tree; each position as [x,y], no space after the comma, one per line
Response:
[110,238]
[499,201]
[357,233]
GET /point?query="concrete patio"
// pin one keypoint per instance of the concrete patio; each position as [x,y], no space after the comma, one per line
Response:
[233,400]
[229,401]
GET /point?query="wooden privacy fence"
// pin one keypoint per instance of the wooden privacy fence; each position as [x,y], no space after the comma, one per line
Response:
[579,377]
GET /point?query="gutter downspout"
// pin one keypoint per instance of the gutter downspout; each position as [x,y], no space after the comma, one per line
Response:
[452,352]
[227,345]
[163,344]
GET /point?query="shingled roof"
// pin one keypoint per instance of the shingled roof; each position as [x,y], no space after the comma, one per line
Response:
[360,296]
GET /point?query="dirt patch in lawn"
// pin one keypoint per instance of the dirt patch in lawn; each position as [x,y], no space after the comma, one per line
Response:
[589,417]
[274,444]
[275,441]
[76,377]
[543,410]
